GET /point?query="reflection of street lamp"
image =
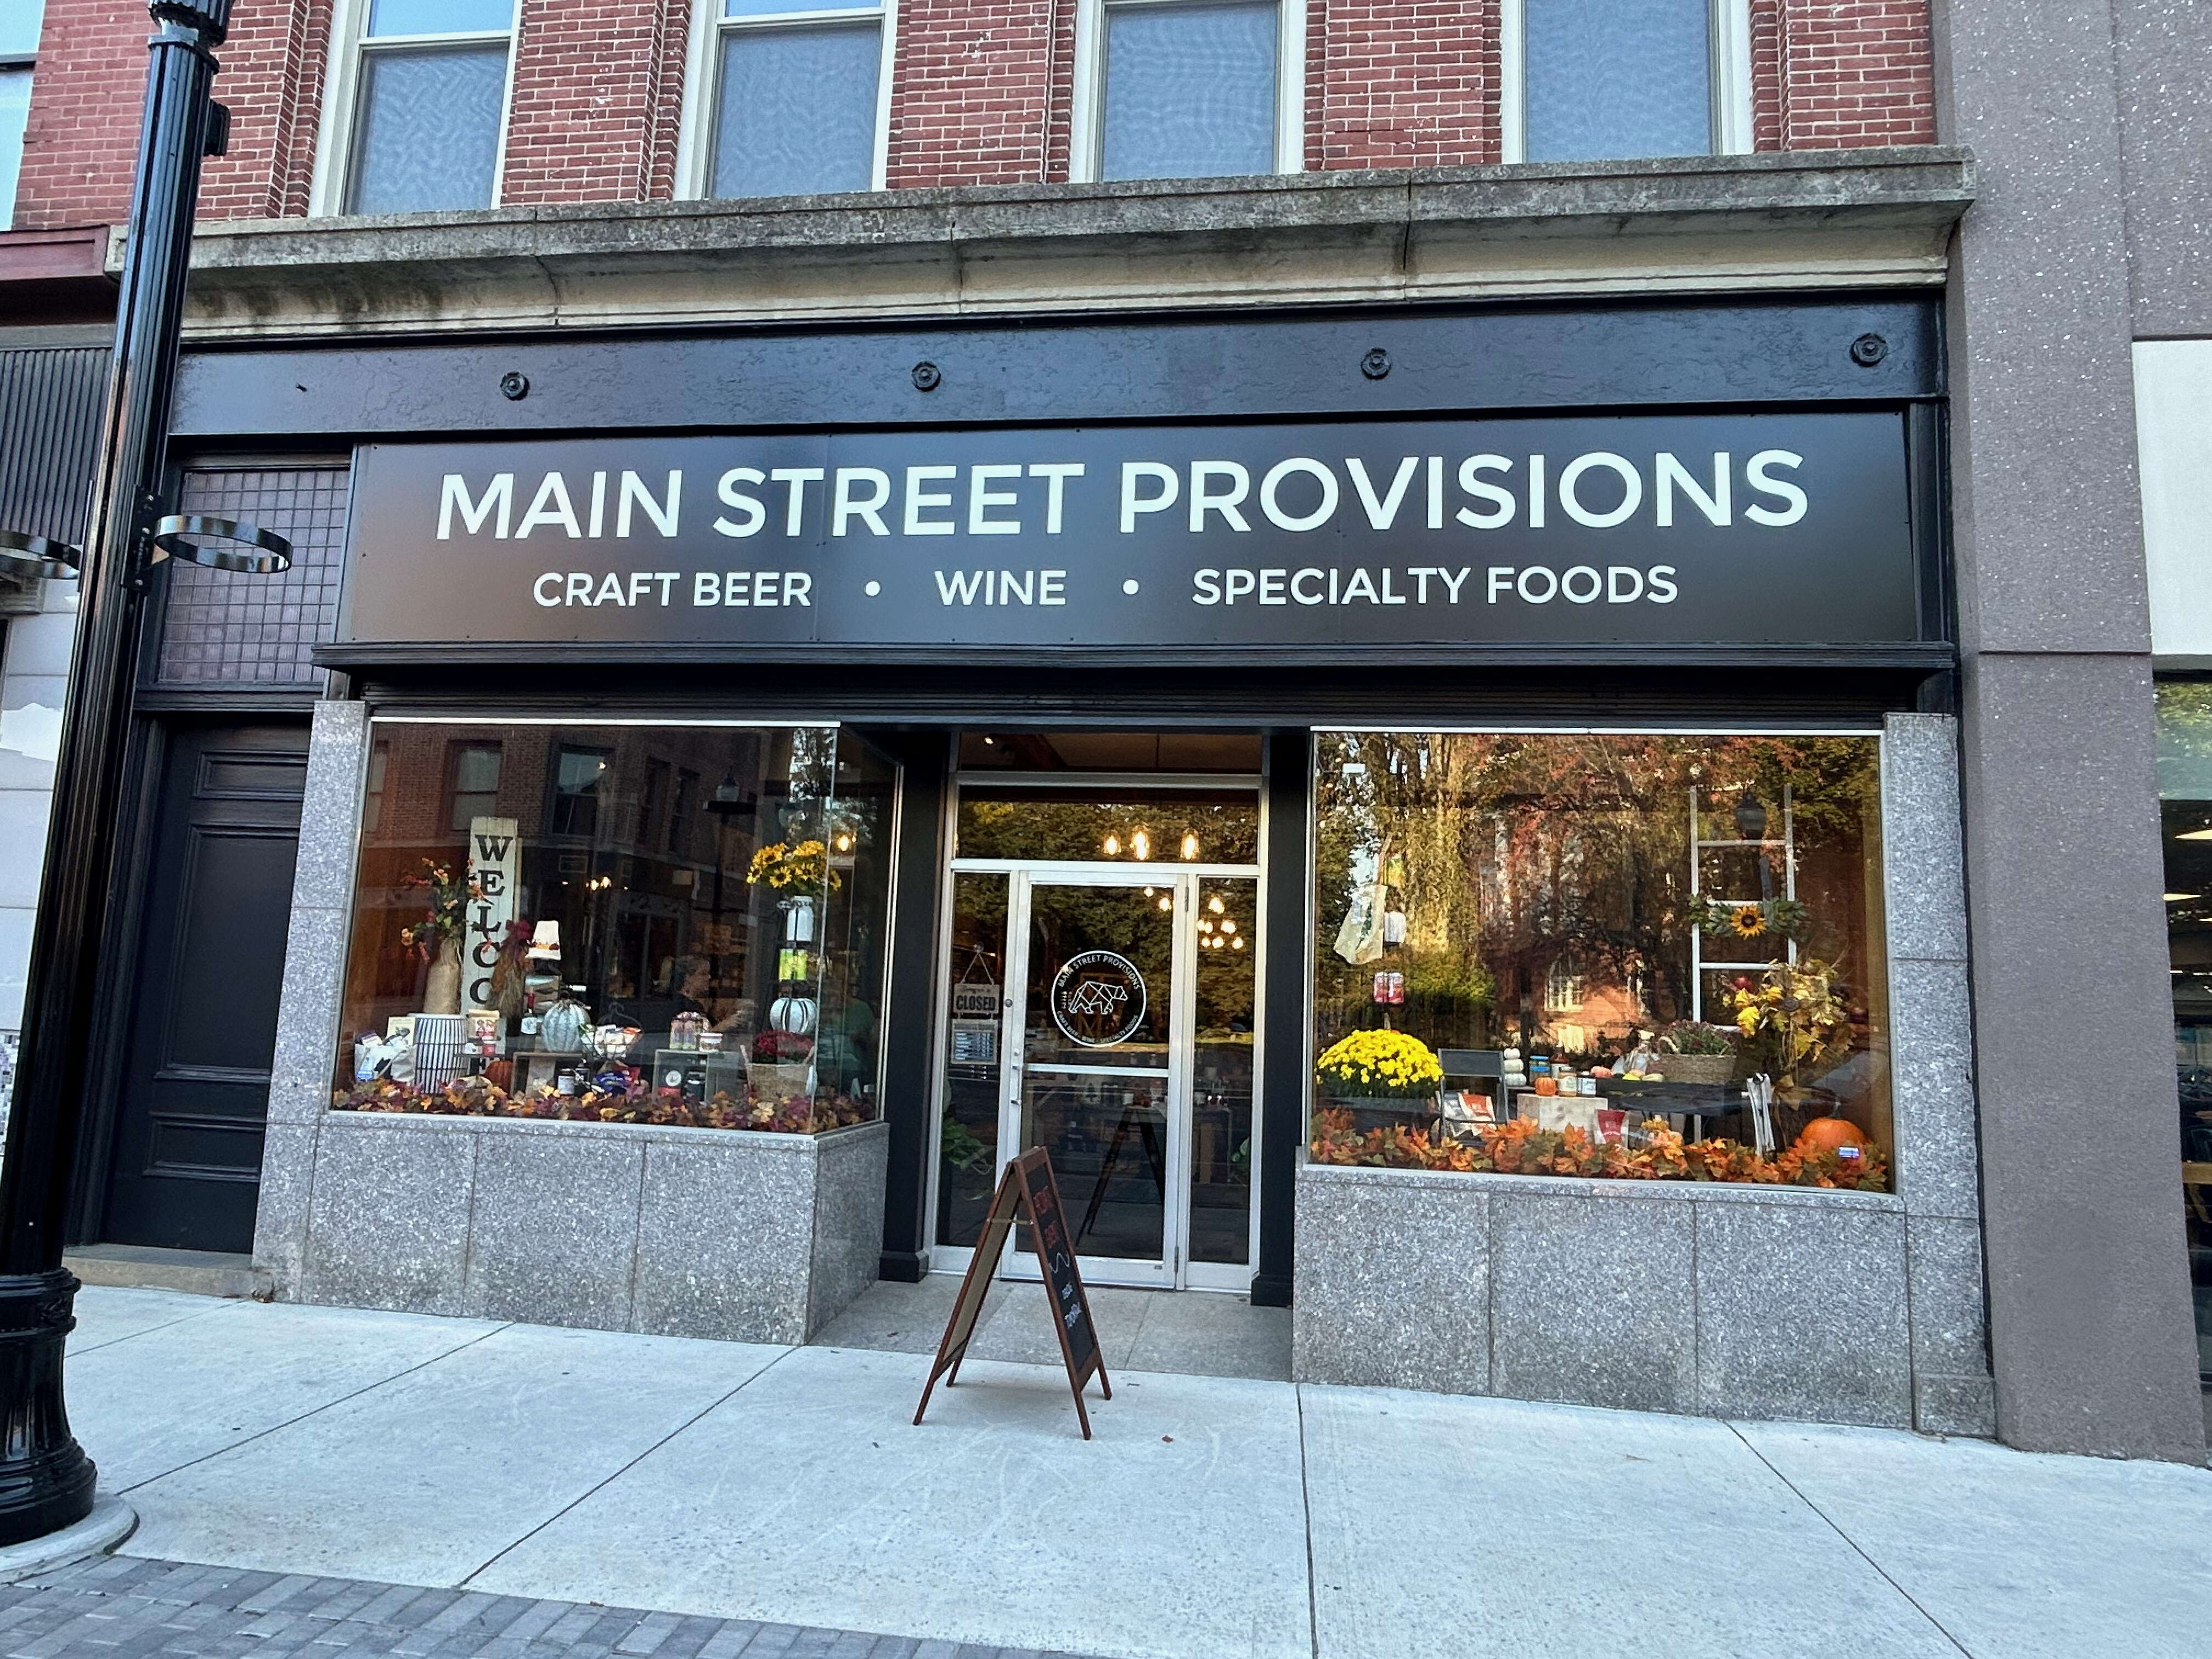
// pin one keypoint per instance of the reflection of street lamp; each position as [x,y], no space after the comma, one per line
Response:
[45,1479]
[1750,817]
[728,800]
[730,796]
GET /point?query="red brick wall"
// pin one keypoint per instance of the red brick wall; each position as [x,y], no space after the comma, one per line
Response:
[272,81]
[598,86]
[980,94]
[1402,83]
[971,91]
[1766,94]
[1860,72]
[80,143]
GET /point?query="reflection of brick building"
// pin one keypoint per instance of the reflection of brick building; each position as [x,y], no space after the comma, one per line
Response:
[622,847]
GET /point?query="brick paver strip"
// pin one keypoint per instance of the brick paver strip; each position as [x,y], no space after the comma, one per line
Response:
[123,1607]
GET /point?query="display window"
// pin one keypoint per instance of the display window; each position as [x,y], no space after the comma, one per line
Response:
[682,924]
[2184,787]
[1637,955]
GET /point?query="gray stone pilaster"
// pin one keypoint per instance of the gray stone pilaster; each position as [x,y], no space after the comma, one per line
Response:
[314,976]
[2091,1330]
[1938,1152]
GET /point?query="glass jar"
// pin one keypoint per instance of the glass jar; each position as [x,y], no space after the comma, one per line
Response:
[683,1031]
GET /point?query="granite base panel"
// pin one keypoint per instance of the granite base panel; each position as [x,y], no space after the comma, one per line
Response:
[1786,1304]
[675,1232]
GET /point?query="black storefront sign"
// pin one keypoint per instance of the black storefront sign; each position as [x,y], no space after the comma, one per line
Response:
[1766,528]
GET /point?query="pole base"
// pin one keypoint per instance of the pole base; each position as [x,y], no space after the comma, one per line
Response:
[111,1522]
[45,1479]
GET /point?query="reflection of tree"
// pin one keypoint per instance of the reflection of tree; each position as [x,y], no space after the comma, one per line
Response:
[1066,920]
[1026,827]
[1514,855]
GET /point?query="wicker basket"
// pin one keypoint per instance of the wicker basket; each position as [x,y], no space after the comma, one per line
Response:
[1708,1069]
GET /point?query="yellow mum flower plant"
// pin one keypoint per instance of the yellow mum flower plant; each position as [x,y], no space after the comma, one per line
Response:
[1379,1064]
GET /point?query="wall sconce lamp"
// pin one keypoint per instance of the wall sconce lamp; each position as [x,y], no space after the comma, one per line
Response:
[222,544]
[24,555]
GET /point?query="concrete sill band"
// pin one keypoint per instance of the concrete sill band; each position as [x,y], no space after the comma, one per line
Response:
[1690,1192]
[762,1140]
[1796,219]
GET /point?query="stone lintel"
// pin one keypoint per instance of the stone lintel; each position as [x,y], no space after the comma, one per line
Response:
[1796,220]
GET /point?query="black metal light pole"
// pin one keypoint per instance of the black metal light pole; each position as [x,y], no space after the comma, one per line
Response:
[45,1479]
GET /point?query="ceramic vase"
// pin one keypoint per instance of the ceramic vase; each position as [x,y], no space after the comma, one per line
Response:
[442,992]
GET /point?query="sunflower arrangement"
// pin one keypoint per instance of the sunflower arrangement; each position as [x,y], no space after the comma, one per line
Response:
[1380,1065]
[1781,918]
[780,865]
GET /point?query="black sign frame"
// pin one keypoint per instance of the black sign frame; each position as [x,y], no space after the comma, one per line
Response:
[1858,569]
[1026,1192]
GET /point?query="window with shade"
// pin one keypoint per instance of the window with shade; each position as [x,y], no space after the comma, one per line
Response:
[426,81]
[1616,80]
[1187,88]
[795,100]
[20,21]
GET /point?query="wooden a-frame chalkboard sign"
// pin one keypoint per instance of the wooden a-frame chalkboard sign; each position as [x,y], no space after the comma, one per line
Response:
[1028,1193]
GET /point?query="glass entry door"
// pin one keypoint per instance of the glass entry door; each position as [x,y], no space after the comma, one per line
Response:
[1097,1040]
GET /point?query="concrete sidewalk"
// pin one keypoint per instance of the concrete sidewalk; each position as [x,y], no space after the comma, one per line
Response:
[1211,1518]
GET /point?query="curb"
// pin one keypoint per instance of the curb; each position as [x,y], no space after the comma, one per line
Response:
[111,1522]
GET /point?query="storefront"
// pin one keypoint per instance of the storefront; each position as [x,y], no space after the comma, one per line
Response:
[1380,795]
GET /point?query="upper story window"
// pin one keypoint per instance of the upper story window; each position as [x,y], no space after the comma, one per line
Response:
[474,793]
[20,22]
[795,104]
[1614,80]
[1187,89]
[578,776]
[421,99]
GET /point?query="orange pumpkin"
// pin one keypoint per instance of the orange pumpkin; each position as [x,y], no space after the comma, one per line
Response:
[1832,1134]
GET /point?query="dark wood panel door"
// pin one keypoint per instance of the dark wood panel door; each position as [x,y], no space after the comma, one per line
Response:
[186,1169]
